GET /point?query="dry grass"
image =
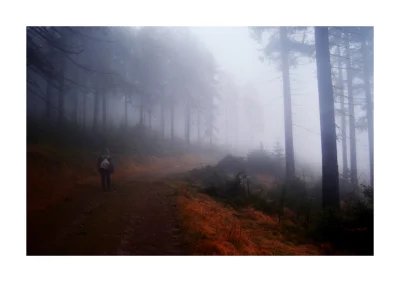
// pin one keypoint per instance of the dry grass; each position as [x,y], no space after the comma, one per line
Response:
[215,229]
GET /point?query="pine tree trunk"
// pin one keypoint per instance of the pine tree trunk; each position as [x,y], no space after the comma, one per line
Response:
[236,122]
[211,126]
[126,112]
[226,126]
[49,95]
[149,118]
[352,120]
[76,108]
[163,118]
[61,96]
[104,110]
[172,121]
[49,92]
[290,167]
[84,110]
[198,125]
[370,115]
[343,116]
[141,109]
[187,124]
[330,173]
[96,110]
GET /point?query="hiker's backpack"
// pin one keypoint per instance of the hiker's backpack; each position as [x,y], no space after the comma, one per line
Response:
[105,164]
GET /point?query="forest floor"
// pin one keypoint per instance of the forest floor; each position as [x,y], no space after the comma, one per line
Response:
[138,217]
[151,211]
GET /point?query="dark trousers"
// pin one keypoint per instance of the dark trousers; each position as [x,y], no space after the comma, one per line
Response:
[105,179]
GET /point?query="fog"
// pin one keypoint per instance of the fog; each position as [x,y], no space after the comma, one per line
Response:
[200,140]
[238,54]
[259,120]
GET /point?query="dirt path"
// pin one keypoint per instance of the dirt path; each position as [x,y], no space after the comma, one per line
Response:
[139,218]
[153,227]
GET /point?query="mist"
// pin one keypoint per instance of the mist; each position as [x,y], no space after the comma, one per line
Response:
[258,86]
[200,140]
[238,54]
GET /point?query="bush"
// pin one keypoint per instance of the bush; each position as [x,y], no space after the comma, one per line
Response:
[231,165]
[260,161]
[352,227]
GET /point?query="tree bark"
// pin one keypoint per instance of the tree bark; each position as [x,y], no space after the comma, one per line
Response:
[330,173]
[352,119]
[289,150]
[343,116]
[370,115]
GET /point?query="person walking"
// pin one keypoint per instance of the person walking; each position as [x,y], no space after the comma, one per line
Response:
[106,168]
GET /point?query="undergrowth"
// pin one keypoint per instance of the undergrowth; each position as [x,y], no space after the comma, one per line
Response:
[213,228]
[295,205]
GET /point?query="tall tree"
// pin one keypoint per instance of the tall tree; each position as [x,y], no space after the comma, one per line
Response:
[96,104]
[360,41]
[352,119]
[187,123]
[367,43]
[104,112]
[126,102]
[162,113]
[336,39]
[330,173]
[198,124]
[172,119]
[49,98]
[286,45]
[61,94]
[287,104]
[342,113]
[83,116]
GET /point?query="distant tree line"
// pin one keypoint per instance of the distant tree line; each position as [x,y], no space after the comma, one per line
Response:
[77,74]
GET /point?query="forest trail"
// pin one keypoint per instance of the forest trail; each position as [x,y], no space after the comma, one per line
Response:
[138,218]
